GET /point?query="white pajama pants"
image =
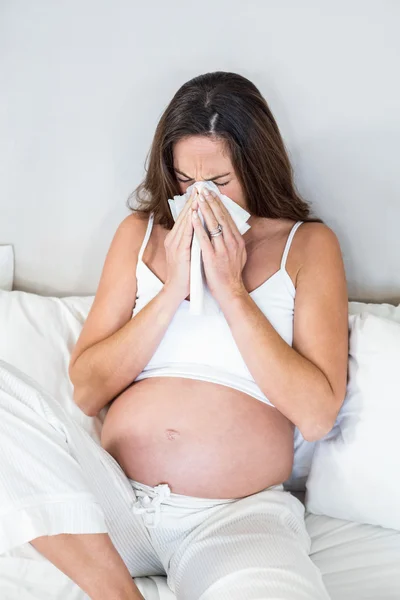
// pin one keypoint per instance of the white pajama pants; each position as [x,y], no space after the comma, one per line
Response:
[54,478]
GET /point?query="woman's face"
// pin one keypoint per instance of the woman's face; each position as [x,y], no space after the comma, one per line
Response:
[200,158]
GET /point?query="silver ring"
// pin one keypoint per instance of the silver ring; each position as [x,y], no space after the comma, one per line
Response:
[217,231]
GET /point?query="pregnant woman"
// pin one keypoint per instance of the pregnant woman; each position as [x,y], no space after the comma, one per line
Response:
[198,436]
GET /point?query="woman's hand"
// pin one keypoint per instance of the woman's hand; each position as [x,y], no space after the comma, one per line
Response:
[177,248]
[224,256]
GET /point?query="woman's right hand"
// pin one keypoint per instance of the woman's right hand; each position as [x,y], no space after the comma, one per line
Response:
[177,246]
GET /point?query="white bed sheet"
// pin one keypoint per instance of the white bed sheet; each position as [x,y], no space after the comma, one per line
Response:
[358,562]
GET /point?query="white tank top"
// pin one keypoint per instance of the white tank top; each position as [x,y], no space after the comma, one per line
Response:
[202,347]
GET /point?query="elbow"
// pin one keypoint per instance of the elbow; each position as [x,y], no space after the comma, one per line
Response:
[317,426]
[72,373]
[313,432]
[82,394]
[89,411]
[82,399]
[320,420]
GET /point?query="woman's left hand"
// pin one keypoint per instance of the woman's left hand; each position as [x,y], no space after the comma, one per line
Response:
[224,256]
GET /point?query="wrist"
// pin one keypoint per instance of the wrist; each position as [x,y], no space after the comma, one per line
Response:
[171,295]
[234,295]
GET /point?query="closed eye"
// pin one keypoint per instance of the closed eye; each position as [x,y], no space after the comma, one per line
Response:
[188,180]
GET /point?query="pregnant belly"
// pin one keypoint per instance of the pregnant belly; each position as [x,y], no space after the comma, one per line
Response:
[203,439]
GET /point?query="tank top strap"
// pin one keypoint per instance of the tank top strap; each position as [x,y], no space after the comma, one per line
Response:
[289,243]
[146,236]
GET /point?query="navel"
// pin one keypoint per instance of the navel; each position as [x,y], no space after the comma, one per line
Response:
[171,434]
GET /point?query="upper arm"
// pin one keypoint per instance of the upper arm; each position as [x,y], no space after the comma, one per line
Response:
[321,306]
[116,294]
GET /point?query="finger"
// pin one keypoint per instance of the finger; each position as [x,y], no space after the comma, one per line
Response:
[180,224]
[185,209]
[185,232]
[187,206]
[223,213]
[201,234]
[188,230]
[222,216]
[212,223]
[208,214]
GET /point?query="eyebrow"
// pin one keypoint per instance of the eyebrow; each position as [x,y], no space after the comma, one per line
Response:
[209,179]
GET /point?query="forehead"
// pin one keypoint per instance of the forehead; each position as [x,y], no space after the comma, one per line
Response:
[201,152]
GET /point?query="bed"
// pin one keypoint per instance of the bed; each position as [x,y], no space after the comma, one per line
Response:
[358,561]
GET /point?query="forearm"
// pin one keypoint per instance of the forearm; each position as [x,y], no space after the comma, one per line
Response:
[294,385]
[105,369]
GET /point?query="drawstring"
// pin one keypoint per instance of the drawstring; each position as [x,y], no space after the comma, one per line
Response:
[151,507]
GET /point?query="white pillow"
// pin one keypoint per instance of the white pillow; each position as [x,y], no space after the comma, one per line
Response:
[354,475]
[37,336]
[387,311]
[303,450]
[6,267]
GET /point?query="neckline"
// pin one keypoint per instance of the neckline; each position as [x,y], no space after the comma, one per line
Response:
[257,289]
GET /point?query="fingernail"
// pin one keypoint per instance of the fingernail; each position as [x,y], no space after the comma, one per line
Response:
[206,192]
[201,197]
[195,215]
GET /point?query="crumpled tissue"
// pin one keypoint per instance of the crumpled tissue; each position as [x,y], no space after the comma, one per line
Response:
[201,300]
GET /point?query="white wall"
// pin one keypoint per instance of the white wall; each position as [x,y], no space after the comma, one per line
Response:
[84,82]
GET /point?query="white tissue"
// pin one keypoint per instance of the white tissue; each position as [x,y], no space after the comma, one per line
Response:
[201,299]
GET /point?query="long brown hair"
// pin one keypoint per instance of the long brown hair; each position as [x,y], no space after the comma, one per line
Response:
[223,106]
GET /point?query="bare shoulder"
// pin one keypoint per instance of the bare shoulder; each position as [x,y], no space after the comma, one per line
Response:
[131,230]
[124,248]
[321,276]
[312,237]
[123,252]
[315,247]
